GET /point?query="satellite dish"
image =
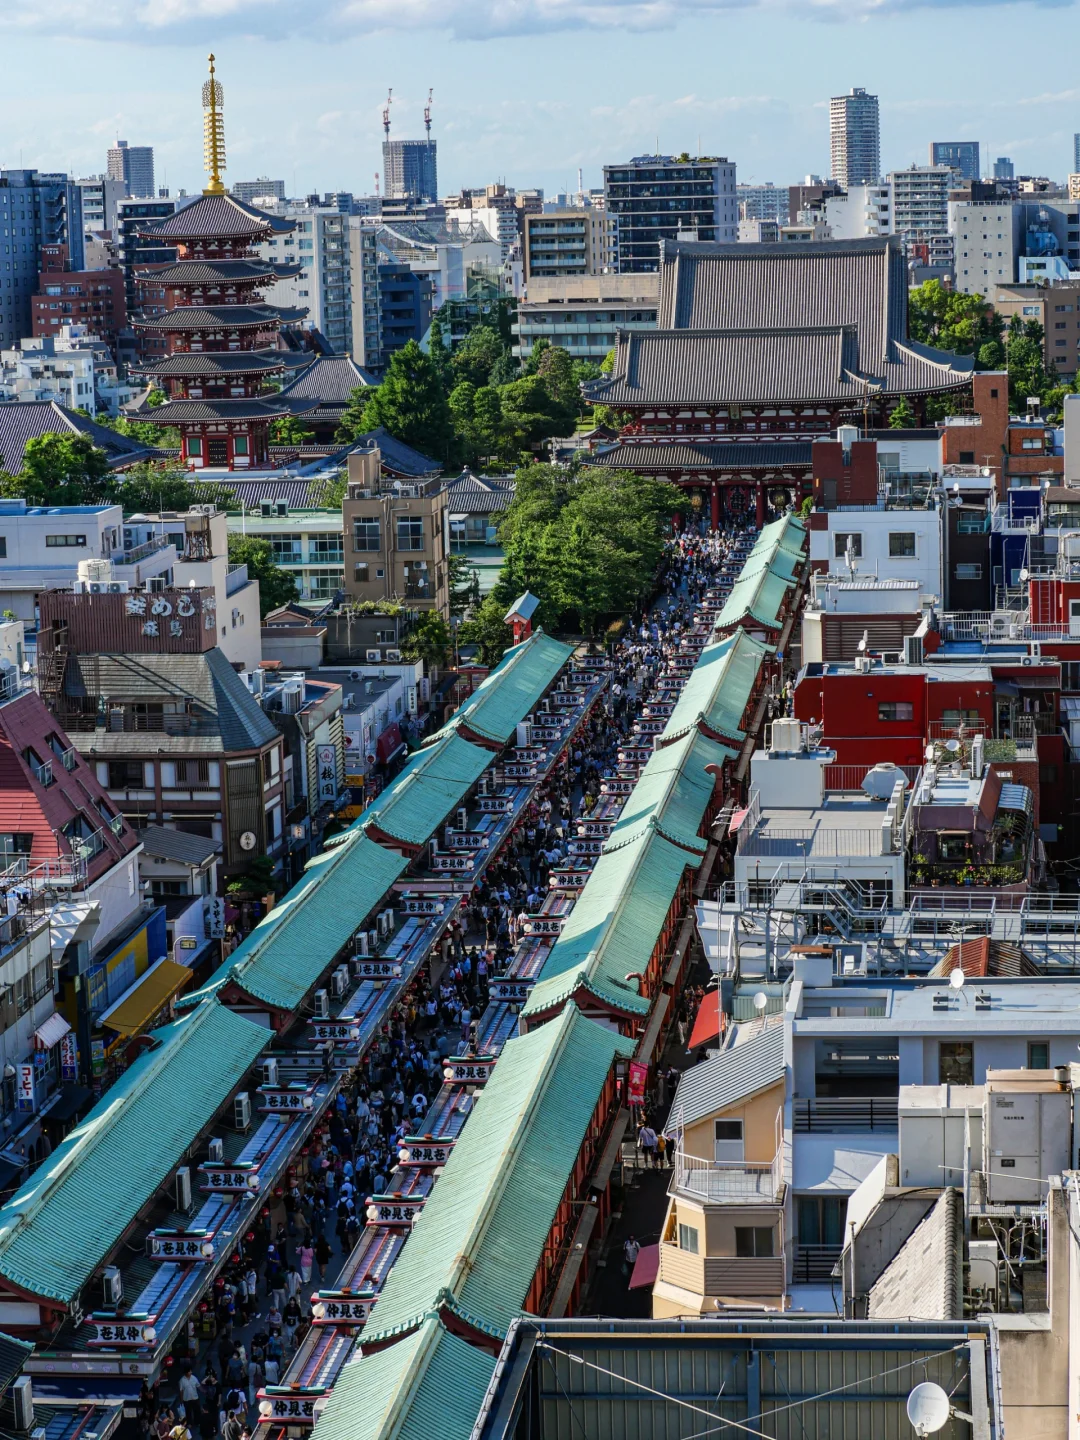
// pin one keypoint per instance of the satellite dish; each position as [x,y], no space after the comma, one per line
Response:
[928,1408]
[761,1000]
[929,752]
[957,978]
[952,746]
[880,782]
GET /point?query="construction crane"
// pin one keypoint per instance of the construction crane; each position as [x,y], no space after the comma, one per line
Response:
[386,113]
[427,115]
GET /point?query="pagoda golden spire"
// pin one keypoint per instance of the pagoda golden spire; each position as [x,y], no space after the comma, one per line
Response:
[213,99]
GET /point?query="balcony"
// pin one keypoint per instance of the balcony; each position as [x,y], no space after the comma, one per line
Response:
[727,1275]
[744,1183]
[814,1264]
[832,1115]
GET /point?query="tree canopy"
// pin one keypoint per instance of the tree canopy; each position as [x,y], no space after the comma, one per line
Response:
[62,469]
[276,586]
[963,324]
[410,403]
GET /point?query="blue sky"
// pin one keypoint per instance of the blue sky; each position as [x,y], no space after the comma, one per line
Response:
[529,90]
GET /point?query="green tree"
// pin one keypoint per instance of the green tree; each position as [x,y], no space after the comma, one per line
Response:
[164,437]
[165,485]
[440,355]
[532,414]
[410,403]
[478,421]
[352,419]
[464,582]
[62,469]
[556,369]
[604,414]
[290,430]
[487,629]
[902,416]
[276,586]
[532,364]
[950,320]
[428,640]
[476,356]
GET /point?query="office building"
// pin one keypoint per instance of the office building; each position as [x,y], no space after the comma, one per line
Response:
[410,171]
[251,190]
[960,155]
[395,537]
[134,165]
[36,209]
[365,347]
[101,198]
[136,250]
[669,197]
[920,202]
[583,314]
[1076,153]
[763,202]
[1003,168]
[93,299]
[570,242]
[854,138]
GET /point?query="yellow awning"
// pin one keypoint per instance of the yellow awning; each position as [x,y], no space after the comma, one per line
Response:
[138,1006]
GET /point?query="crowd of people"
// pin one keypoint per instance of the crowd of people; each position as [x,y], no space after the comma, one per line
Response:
[259,1310]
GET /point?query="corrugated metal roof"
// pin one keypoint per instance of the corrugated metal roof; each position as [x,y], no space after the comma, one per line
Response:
[1016,797]
[167,844]
[611,931]
[513,688]
[433,781]
[13,1356]
[731,1076]
[283,957]
[66,1219]
[429,1384]
[480,1236]
[719,687]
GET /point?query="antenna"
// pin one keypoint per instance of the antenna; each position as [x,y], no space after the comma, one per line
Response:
[928,1408]
[386,113]
[213,100]
[580,188]
[427,115]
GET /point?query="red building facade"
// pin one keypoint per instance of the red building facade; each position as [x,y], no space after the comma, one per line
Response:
[92,298]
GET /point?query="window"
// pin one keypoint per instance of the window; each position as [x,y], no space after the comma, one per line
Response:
[902,544]
[16,843]
[754,1242]
[410,532]
[840,544]
[125,775]
[688,1239]
[968,571]
[361,574]
[1035,442]
[967,457]
[367,533]
[971,522]
[1048,774]
[193,772]
[160,888]
[895,710]
[728,1141]
[55,542]
[956,1063]
[3,547]
[1038,1055]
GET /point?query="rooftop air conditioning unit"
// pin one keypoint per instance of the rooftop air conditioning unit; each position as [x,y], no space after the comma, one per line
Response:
[112,1287]
[524,733]
[484,788]
[22,1402]
[462,818]
[242,1111]
[270,1071]
[282,508]
[266,508]
[362,943]
[393,657]
[999,622]
[292,699]
[913,650]
[386,921]
[183,1189]
[322,1005]
[337,984]
[215,1151]
[155,584]
[374,656]
[356,674]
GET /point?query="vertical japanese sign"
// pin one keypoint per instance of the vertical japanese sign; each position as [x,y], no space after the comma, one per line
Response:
[326,757]
[639,1074]
[25,1090]
[69,1057]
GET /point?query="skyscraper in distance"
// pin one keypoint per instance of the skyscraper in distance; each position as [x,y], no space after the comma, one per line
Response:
[855,138]
[134,165]
[1003,168]
[959,155]
[409,171]
[1076,154]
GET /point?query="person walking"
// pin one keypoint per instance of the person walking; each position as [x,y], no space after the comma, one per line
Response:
[631,1250]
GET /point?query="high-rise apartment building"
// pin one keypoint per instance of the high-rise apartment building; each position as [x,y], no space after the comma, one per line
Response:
[410,171]
[763,202]
[1003,168]
[101,199]
[959,155]
[855,138]
[250,190]
[36,209]
[1076,153]
[920,201]
[570,242]
[668,197]
[318,242]
[134,165]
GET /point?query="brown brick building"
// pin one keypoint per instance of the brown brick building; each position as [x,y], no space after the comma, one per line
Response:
[94,298]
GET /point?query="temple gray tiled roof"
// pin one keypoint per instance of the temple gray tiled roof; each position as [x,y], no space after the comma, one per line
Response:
[216,217]
[727,456]
[820,322]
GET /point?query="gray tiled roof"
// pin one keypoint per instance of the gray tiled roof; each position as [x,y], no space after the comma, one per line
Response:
[731,1076]
[220,216]
[165,844]
[297,494]
[397,457]
[24,420]
[331,379]
[227,708]
[471,495]
[732,456]
[221,362]
[923,1279]
[211,272]
[219,317]
[173,412]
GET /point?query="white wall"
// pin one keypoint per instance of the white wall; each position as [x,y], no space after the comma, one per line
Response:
[875,528]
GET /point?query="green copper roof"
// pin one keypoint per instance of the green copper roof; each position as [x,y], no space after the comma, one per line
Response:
[513,688]
[69,1215]
[674,789]
[611,931]
[429,1384]
[283,957]
[760,597]
[432,782]
[719,687]
[478,1241]
[787,533]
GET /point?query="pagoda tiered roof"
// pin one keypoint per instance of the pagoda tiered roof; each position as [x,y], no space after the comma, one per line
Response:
[221,317]
[190,412]
[217,217]
[193,364]
[209,272]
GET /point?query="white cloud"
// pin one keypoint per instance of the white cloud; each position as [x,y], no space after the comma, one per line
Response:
[156,21]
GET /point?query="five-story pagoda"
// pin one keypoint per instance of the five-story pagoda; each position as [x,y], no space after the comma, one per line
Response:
[219,333]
